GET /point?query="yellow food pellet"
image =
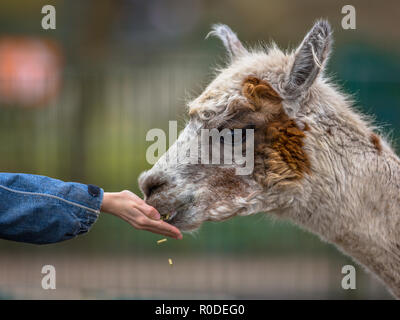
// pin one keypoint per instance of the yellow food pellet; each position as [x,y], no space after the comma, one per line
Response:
[170,261]
[161,241]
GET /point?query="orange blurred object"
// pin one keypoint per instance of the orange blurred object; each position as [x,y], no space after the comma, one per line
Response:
[30,71]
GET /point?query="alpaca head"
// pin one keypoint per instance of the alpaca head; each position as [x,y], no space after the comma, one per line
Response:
[267,91]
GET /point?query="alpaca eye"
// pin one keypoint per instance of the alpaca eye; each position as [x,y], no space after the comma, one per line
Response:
[249,127]
[239,135]
[236,136]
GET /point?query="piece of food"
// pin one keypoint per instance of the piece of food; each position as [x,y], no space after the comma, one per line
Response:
[161,241]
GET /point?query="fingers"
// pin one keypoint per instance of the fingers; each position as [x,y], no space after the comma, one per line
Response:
[145,217]
[165,233]
[164,228]
[159,227]
[146,209]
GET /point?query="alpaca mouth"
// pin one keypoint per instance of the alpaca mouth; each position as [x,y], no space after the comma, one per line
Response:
[173,217]
[173,209]
[177,216]
[167,217]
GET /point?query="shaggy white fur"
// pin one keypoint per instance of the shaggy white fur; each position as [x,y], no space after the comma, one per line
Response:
[349,197]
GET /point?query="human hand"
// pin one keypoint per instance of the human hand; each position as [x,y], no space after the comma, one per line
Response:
[129,207]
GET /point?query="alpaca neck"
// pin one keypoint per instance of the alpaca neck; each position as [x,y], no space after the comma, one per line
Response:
[362,215]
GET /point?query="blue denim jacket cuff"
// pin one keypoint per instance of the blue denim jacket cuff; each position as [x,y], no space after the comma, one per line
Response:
[39,209]
[87,216]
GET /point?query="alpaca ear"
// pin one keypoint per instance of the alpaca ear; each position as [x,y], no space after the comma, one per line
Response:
[310,58]
[229,39]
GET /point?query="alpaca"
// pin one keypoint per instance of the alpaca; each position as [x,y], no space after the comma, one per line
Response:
[317,162]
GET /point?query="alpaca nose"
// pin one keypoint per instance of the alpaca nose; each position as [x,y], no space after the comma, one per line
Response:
[150,184]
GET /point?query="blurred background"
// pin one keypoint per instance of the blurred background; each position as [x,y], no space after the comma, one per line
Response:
[76,104]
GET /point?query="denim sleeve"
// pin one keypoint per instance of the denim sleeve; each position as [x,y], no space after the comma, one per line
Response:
[40,210]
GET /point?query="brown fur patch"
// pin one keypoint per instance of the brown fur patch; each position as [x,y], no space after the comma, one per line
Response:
[281,157]
[376,141]
[259,92]
[279,145]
